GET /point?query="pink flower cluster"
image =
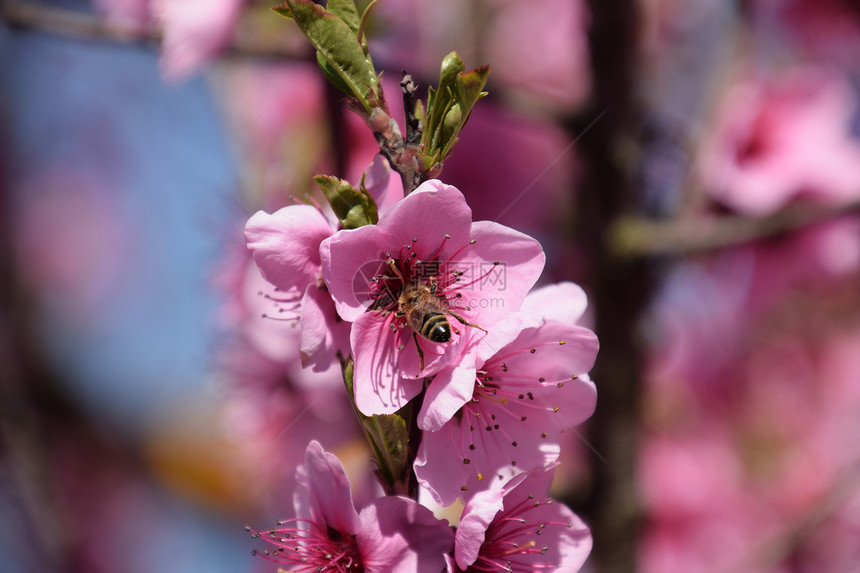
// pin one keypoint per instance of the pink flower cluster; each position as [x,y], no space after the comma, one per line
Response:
[432,307]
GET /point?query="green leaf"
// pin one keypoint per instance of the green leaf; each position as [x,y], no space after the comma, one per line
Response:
[448,108]
[452,65]
[470,84]
[346,11]
[354,208]
[389,437]
[331,74]
[338,46]
[283,10]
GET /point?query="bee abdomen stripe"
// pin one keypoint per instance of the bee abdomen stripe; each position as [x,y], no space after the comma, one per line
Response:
[433,320]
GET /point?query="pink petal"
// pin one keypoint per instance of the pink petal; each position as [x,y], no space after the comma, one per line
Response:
[436,355]
[448,392]
[398,535]
[323,334]
[378,386]
[501,288]
[477,516]
[349,259]
[429,214]
[442,471]
[324,495]
[504,331]
[285,245]
[565,302]
[560,386]
[385,189]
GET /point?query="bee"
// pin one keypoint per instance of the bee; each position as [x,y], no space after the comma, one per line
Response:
[424,311]
[426,314]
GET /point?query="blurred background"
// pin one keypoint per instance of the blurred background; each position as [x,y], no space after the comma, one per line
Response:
[694,164]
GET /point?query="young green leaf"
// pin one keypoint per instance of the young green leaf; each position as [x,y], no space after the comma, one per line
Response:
[334,35]
[346,11]
[352,207]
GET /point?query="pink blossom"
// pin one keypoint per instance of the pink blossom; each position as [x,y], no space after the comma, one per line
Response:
[390,535]
[285,246]
[519,529]
[425,241]
[194,30]
[784,137]
[502,414]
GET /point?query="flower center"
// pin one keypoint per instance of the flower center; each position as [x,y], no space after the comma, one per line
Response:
[303,543]
[511,542]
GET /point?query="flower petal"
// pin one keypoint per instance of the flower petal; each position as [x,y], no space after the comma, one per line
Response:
[324,495]
[385,189]
[378,386]
[477,516]
[349,259]
[285,245]
[448,392]
[565,302]
[398,535]
[323,334]
[499,289]
[434,214]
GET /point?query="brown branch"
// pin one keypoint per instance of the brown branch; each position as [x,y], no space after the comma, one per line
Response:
[635,237]
[620,288]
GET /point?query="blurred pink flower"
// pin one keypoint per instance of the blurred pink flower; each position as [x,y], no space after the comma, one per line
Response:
[194,31]
[390,535]
[73,239]
[427,238]
[519,529]
[135,15]
[539,50]
[781,138]
[828,30]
